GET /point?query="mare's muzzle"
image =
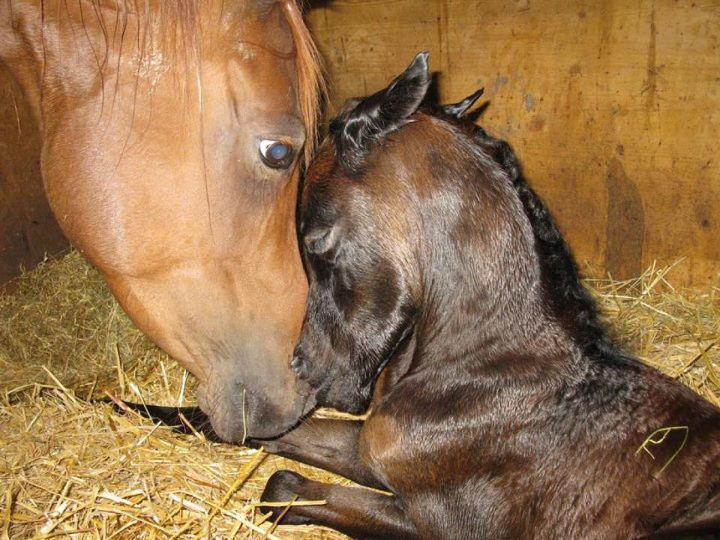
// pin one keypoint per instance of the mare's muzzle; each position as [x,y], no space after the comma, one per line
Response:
[237,413]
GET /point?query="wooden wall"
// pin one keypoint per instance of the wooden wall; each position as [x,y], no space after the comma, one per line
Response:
[612,105]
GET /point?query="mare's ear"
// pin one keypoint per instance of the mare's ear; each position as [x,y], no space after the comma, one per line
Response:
[364,122]
[459,109]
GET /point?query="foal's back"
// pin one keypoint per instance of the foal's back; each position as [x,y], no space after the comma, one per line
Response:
[549,429]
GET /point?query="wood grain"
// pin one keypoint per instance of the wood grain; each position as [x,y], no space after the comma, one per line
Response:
[613,107]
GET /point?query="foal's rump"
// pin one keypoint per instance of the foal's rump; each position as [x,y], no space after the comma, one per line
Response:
[640,448]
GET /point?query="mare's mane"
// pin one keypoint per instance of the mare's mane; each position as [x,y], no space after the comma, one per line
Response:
[182,18]
[311,81]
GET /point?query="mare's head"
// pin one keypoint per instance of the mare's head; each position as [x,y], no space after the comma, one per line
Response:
[414,235]
[172,137]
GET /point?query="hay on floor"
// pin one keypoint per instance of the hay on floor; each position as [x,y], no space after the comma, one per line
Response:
[60,317]
[69,467]
[674,330]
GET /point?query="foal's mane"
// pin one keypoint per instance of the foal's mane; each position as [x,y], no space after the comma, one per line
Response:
[572,304]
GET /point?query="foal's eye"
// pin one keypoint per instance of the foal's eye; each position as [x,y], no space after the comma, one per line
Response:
[276,154]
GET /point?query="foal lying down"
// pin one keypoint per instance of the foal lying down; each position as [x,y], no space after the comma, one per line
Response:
[440,286]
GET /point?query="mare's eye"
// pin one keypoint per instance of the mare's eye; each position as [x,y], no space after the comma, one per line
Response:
[276,154]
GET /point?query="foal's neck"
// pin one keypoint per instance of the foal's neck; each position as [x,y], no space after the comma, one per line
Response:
[517,340]
[485,294]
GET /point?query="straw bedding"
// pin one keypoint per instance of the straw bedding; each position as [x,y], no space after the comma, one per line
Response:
[69,467]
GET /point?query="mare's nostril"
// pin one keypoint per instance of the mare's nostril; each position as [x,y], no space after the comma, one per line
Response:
[299,365]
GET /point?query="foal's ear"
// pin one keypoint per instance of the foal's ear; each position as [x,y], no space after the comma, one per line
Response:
[366,121]
[406,92]
[321,240]
[459,109]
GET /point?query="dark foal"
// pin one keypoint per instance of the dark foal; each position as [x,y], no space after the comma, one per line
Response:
[502,409]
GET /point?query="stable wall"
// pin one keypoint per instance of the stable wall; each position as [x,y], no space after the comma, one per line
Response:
[612,106]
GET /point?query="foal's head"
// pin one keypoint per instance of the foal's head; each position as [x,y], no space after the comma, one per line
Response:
[409,227]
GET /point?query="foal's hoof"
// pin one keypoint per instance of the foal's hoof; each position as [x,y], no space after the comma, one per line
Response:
[283,486]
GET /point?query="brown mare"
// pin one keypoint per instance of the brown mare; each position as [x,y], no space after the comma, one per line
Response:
[503,409]
[171,137]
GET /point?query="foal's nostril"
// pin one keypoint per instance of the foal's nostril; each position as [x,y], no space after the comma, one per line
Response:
[299,365]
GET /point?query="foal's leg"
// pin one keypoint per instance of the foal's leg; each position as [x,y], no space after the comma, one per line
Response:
[357,512]
[328,444]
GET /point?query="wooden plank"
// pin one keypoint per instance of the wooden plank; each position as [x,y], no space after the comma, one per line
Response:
[364,43]
[613,107]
